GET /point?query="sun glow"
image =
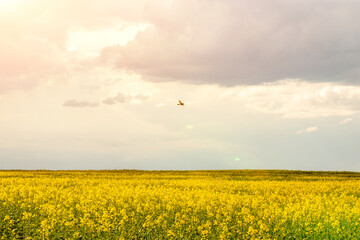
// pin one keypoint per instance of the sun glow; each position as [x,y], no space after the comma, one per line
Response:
[6,5]
[7,2]
[79,38]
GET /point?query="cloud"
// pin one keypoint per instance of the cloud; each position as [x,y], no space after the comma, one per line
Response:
[124,98]
[160,105]
[244,42]
[109,101]
[8,83]
[307,130]
[232,43]
[345,121]
[33,51]
[298,99]
[77,103]
[292,99]
[119,98]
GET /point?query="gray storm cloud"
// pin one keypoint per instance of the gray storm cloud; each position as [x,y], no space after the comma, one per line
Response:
[244,42]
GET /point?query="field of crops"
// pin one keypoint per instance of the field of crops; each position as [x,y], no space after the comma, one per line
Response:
[244,204]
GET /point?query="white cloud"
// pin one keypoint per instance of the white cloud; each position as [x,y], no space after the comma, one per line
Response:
[77,103]
[307,130]
[345,121]
[124,98]
[299,99]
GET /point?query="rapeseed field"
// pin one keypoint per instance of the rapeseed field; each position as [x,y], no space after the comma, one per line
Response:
[125,204]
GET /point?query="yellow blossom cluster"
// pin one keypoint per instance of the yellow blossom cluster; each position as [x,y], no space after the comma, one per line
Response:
[233,204]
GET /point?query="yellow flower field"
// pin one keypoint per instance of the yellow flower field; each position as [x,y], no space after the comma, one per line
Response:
[126,204]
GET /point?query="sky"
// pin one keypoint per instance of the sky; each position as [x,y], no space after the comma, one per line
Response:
[95,84]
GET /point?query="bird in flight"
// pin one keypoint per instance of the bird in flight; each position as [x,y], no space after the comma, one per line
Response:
[181,103]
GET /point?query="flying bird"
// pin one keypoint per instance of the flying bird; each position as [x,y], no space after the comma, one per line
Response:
[181,103]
